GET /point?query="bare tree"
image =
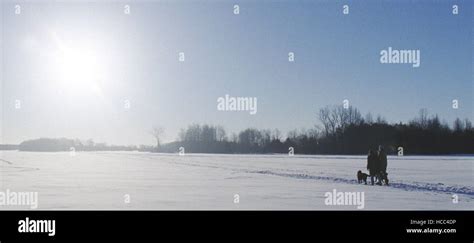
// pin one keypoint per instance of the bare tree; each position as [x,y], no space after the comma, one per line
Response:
[293,134]
[423,119]
[354,117]
[315,132]
[221,134]
[325,119]
[338,117]
[467,125]
[234,138]
[369,119]
[276,135]
[334,120]
[344,117]
[380,120]
[266,136]
[458,125]
[157,133]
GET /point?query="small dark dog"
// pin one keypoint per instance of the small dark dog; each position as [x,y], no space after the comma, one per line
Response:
[361,177]
[384,177]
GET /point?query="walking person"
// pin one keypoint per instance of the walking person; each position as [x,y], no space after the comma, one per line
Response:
[382,158]
[372,165]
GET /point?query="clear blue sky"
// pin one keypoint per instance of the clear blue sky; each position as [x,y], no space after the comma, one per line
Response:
[135,57]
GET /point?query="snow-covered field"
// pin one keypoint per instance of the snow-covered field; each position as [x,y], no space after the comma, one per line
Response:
[102,180]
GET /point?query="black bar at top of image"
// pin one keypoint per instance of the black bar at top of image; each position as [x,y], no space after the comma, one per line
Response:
[289,226]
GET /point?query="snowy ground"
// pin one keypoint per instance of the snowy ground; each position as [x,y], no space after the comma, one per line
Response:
[100,180]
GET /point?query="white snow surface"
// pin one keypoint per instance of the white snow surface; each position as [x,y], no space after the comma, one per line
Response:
[152,181]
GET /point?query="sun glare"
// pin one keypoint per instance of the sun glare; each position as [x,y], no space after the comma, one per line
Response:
[79,69]
[78,65]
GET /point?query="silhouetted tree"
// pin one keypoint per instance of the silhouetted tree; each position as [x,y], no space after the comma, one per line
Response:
[157,132]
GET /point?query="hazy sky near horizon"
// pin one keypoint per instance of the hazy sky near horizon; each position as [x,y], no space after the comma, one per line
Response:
[74,66]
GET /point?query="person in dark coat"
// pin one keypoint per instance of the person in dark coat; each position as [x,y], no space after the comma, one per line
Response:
[382,158]
[372,165]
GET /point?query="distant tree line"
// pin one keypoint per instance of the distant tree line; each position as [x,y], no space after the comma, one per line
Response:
[198,138]
[65,144]
[342,131]
[8,147]
[346,132]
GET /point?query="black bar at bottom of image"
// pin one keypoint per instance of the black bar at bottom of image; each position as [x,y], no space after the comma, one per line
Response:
[287,226]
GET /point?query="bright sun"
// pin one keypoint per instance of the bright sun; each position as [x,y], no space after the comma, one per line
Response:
[78,65]
[79,69]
